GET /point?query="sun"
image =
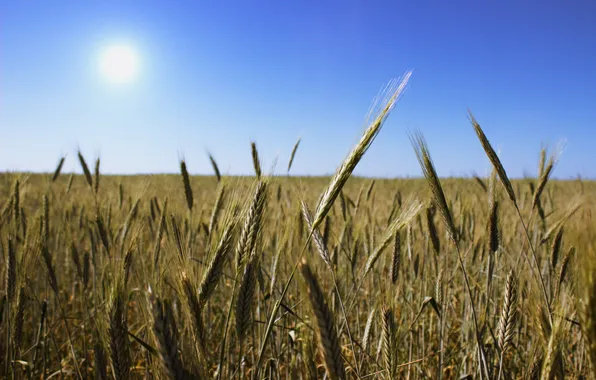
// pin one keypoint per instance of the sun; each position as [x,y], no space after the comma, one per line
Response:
[119,64]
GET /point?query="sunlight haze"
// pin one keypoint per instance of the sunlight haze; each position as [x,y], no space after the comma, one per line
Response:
[119,63]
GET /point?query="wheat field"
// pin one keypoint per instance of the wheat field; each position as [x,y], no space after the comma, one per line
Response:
[276,277]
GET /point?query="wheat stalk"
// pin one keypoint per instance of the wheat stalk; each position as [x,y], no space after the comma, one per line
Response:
[86,269]
[389,342]
[552,363]
[439,289]
[159,235]
[327,335]
[101,229]
[556,248]
[215,168]
[493,226]
[129,219]
[46,219]
[563,269]
[47,258]
[508,314]
[217,206]
[215,267]
[392,93]
[368,330]
[19,319]
[255,159]
[186,183]
[587,304]
[494,159]
[74,254]
[120,195]
[432,230]
[544,177]
[425,161]
[252,223]
[245,297]
[407,214]
[432,178]
[316,235]
[177,236]
[85,168]
[396,259]
[11,272]
[96,183]
[293,154]
[58,169]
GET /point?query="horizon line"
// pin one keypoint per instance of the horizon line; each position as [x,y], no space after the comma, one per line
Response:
[406,177]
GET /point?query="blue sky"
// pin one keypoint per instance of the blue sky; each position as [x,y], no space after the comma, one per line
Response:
[216,75]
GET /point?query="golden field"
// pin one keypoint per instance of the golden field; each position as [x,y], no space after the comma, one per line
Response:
[271,277]
[119,278]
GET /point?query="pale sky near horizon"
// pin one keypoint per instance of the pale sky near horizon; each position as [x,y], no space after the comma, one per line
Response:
[213,76]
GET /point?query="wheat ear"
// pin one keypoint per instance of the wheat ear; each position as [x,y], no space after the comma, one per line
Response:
[85,169]
[215,168]
[215,267]
[186,182]
[252,223]
[393,91]
[494,159]
[328,340]
[506,327]
[255,159]
[389,342]
[316,235]
[58,169]
[244,302]
[293,154]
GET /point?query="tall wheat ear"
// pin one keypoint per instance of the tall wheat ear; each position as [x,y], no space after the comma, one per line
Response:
[326,332]
[186,182]
[587,303]
[293,154]
[378,114]
[502,174]
[389,342]
[215,167]
[393,91]
[427,166]
[218,257]
[506,327]
[85,168]
[252,223]
[494,159]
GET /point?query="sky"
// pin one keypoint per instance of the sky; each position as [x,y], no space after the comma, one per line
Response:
[216,75]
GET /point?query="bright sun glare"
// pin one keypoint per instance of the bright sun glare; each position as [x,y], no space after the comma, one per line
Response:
[119,64]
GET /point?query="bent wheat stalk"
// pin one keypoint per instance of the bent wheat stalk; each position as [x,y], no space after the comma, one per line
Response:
[490,152]
[423,156]
[333,191]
